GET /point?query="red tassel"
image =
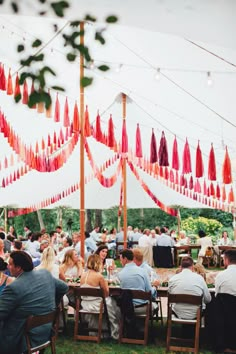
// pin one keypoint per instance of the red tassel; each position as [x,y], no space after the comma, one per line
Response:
[98,130]
[212,165]
[57,110]
[124,139]
[110,134]
[191,182]
[212,190]
[87,128]
[186,159]
[223,194]
[25,99]
[226,171]
[166,173]
[9,84]
[163,151]
[231,196]
[2,78]
[76,118]
[138,145]
[199,162]
[172,178]
[17,92]
[175,155]
[66,121]
[153,148]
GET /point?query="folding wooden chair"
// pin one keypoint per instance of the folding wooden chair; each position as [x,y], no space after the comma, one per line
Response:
[39,320]
[172,319]
[80,312]
[146,316]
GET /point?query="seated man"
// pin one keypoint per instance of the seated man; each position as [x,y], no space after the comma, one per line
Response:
[31,293]
[188,282]
[164,240]
[225,281]
[133,277]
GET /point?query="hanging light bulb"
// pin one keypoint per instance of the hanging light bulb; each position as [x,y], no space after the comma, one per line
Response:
[209,79]
[118,68]
[158,74]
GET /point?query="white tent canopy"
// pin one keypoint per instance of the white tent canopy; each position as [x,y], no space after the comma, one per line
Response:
[180,103]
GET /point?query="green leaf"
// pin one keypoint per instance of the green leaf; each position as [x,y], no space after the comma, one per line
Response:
[90,18]
[75,23]
[20,48]
[24,75]
[58,88]
[14,6]
[59,7]
[103,67]
[71,57]
[86,81]
[46,98]
[36,43]
[84,51]
[111,19]
[47,69]
[99,37]
[34,98]
[17,98]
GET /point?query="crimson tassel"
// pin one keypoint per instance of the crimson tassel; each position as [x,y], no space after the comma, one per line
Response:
[166,173]
[98,130]
[176,177]
[124,139]
[163,151]
[138,146]
[175,155]
[212,190]
[87,128]
[111,135]
[212,165]
[172,178]
[153,148]
[223,193]
[66,121]
[191,182]
[76,118]
[2,78]
[25,98]
[9,84]
[186,159]
[204,188]
[57,110]
[17,92]
[199,162]
[226,171]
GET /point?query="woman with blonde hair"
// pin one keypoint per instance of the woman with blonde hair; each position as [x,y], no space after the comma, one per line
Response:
[71,266]
[93,278]
[48,261]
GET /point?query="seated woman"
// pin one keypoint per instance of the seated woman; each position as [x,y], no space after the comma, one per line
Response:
[94,279]
[4,279]
[225,240]
[204,241]
[102,252]
[71,266]
[48,261]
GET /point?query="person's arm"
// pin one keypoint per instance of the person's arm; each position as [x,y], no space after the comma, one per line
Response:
[8,302]
[62,273]
[61,289]
[206,293]
[104,285]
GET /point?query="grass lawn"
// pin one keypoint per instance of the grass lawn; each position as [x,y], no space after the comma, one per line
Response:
[66,345]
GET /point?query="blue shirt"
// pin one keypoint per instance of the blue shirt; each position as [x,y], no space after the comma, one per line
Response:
[136,278]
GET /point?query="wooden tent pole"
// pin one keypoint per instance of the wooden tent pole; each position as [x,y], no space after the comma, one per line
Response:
[124,100]
[82,203]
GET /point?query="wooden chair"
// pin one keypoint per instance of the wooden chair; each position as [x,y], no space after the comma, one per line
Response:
[172,319]
[39,320]
[158,314]
[146,316]
[79,312]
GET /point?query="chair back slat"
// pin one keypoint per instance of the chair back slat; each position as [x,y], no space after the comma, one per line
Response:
[141,295]
[87,291]
[36,321]
[184,298]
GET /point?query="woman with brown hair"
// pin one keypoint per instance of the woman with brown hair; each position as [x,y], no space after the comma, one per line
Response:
[4,279]
[71,266]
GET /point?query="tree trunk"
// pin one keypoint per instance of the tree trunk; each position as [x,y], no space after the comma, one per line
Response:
[88,225]
[40,219]
[98,217]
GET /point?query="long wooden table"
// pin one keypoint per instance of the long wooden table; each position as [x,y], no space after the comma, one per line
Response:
[187,248]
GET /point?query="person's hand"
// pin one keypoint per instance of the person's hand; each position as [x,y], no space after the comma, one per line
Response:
[156,282]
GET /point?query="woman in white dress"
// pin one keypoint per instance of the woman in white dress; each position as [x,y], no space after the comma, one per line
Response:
[93,278]
[225,240]
[71,267]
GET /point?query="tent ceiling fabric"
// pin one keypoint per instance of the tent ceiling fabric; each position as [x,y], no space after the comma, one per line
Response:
[180,103]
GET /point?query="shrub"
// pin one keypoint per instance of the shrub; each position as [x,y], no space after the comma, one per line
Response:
[210,226]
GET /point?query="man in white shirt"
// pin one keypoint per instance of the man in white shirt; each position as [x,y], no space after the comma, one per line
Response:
[95,234]
[144,240]
[188,282]
[164,240]
[225,281]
